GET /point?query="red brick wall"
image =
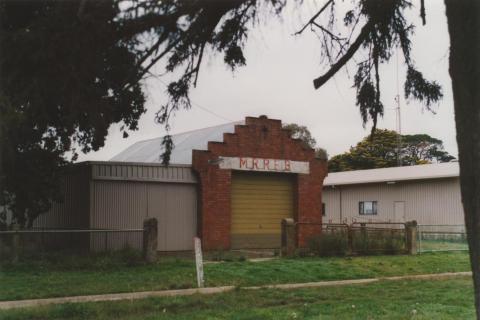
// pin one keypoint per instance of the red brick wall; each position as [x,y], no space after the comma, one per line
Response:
[261,138]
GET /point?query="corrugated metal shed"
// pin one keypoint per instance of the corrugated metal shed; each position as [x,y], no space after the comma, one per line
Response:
[120,195]
[428,201]
[420,172]
[152,149]
[123,194]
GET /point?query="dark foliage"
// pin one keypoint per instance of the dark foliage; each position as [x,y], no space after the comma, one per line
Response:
[384,30]
[62,84]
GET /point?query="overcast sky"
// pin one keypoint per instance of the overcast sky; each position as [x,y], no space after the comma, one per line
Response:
[277,82]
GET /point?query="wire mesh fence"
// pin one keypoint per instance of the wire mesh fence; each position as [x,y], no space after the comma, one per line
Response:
[18,243]
[432,238]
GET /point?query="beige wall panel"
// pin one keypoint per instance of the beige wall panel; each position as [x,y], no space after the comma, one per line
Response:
[175,207]
[427,201]
[126,204]
[117,205]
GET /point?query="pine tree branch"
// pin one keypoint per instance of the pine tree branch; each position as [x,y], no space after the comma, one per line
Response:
[314,17]
[318,82]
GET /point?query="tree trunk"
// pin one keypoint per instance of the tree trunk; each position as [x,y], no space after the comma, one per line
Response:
[464,29]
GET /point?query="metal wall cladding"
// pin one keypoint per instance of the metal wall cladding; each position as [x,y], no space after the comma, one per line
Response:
[142,172]
[125,205]
[115,195]
[72,211]
[175,208]
[435,201]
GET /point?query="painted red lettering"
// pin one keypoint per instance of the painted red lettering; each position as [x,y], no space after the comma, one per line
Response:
[255,164]
[287,165]
[251,161]
[276,165]
[266,164]
[243,163]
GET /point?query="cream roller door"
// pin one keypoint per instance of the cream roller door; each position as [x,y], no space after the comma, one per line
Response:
[259,203]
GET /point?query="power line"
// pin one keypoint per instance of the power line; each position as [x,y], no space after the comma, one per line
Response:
[199,106]
[210,111]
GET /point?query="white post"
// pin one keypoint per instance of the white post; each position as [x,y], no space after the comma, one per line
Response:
[199,261]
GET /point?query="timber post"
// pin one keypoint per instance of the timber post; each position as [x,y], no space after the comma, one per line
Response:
[289,238]
[15,243]
[411,237]
[150,231]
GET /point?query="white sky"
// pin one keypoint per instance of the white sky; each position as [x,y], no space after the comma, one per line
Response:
[277,82]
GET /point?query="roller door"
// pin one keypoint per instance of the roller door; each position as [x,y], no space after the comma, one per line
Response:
[259,203]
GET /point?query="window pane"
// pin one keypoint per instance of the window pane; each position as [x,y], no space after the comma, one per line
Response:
[368,207]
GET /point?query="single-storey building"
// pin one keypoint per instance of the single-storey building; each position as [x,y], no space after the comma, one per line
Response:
[429,194]
[231,185]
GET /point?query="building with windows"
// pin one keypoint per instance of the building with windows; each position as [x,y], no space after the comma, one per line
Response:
[429,194]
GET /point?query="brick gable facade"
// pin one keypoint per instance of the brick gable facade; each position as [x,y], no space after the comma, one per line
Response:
[258,138]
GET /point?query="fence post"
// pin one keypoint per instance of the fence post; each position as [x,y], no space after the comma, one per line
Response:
[15,243]
[288,238]
[150,230]
[349,240]
[411,236]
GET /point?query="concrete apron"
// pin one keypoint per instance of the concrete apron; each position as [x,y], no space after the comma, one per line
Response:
[5,305]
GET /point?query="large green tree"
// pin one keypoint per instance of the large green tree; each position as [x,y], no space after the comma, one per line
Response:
[386,148]
[71,68]
[67,73]
[422,148]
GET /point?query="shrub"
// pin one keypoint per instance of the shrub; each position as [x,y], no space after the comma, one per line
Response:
[329,243]
[371,241]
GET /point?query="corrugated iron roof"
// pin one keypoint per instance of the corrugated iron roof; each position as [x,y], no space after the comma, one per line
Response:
[152,149]
[424,171]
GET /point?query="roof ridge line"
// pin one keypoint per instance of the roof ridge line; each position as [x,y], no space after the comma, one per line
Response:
[189,131]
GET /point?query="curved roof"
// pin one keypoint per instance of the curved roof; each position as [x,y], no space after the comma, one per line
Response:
[151,150]
[419,172]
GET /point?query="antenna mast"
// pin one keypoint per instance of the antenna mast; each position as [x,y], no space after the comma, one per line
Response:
[398,121]
[399,131]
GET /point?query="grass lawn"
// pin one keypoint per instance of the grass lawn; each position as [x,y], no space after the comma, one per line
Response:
[432,245]
[69,277]
[437,299]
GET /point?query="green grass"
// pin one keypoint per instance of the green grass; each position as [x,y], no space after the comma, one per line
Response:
[438,299]
[74,276]
[432,245]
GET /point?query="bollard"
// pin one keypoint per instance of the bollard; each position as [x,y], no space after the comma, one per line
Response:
[288,238]
[150,231]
